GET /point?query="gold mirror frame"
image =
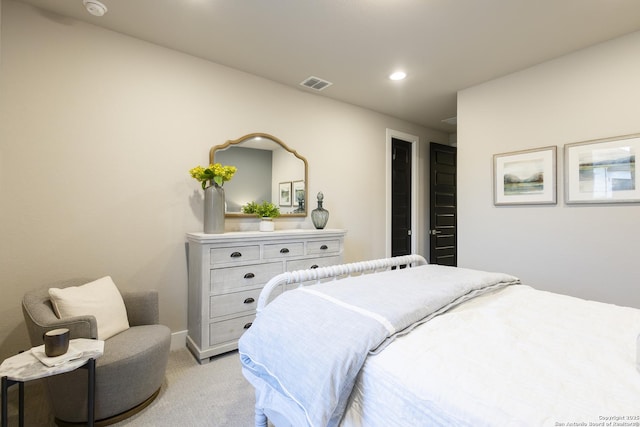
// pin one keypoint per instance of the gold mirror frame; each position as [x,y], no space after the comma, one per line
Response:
[251,136]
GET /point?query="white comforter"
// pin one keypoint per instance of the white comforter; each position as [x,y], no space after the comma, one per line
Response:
[305,349]
[517,357]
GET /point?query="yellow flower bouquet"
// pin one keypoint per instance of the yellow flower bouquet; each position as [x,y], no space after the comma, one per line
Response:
[216,174]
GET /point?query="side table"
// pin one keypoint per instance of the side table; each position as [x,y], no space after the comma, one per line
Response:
[26,366]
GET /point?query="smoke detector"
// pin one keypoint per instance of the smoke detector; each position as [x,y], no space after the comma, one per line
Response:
[94,7]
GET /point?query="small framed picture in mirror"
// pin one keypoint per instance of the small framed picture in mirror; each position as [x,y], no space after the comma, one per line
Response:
[285,194]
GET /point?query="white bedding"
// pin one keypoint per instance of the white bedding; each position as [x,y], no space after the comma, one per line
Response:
[306,348]
[516,357]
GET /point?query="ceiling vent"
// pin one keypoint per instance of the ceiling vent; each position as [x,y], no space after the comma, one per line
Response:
[316,83]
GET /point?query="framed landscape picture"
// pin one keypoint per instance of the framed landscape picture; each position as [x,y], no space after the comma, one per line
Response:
[284,193]
[298,190]
[298,195]
[602,171]
[525,177]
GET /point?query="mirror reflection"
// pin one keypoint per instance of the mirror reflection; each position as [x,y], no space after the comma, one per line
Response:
[267,170]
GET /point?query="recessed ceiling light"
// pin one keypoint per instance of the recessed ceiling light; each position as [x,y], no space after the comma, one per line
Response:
[398,75]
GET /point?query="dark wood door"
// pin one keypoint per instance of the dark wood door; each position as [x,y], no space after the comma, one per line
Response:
[443,205]
[400,197]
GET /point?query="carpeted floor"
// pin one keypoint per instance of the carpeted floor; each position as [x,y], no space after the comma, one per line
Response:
[211,395]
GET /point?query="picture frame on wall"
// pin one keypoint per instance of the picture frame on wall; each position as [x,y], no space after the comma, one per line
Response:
[602,171]
[527,177]
[284,194]
[297,192]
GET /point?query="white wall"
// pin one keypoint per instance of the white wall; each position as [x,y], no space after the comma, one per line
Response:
[586,251]
[98,132]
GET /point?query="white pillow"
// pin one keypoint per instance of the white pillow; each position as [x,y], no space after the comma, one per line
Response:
[99,298]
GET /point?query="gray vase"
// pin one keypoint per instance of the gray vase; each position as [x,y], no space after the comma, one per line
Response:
[214,209]
[320,216]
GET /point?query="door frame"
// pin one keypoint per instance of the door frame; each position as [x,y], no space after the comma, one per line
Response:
[415,142]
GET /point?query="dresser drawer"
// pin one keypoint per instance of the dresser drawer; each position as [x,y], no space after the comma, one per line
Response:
[303,264]
[229,330]
[283,250]
[229,279]
[323,247]
[236,302]
[235,254]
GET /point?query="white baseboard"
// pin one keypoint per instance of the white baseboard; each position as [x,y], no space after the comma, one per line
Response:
[178,340]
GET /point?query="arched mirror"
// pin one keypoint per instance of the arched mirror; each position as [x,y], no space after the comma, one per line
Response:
[267,170]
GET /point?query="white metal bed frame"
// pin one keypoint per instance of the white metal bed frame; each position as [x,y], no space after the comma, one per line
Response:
[335,272]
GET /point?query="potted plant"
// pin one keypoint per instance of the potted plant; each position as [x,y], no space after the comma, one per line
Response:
[266,211]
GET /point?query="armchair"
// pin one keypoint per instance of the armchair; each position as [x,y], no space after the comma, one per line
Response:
[129,374]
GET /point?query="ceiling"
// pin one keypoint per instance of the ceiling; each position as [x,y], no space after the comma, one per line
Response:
[443,45]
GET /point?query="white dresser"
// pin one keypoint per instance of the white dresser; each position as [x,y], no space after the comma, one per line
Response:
[227,272]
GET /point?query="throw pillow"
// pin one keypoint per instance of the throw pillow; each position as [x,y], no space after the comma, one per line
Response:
[99,298]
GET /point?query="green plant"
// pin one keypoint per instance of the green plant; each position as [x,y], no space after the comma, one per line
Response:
[262,210]
[217,173]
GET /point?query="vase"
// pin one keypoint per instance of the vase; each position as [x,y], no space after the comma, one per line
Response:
[267,224]
[214,209]
[320,215]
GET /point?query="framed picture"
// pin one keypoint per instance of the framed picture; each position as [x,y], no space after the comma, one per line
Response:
[525,177]
[602,171]
[298,192]
[284,194]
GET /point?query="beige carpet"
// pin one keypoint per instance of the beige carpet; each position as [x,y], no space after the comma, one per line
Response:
[214,394]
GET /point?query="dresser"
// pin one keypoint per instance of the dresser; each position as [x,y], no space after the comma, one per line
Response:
[227,272]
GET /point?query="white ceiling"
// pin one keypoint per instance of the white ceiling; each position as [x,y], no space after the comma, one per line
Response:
[443,45]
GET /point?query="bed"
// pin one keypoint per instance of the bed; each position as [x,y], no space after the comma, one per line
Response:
[399,342]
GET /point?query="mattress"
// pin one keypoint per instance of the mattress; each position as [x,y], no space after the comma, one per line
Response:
[515,357]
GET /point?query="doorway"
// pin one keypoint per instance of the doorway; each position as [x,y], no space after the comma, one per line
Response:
[401,197]
[443,205]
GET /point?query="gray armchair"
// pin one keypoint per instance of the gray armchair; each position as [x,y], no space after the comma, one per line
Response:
[129,374]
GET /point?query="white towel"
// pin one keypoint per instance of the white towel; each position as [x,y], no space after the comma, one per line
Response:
[71,354]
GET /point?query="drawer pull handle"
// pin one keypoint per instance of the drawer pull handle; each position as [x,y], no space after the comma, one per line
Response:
[249,276]
[284,251]
[247,326]
[324,247]
[249,300]
[314,266]
[236,255]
